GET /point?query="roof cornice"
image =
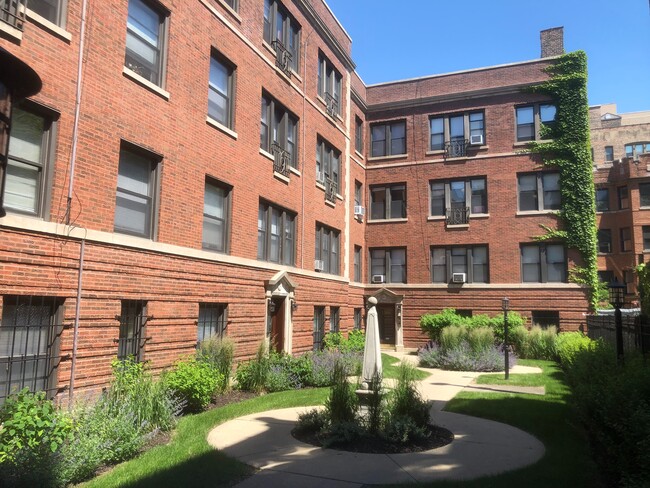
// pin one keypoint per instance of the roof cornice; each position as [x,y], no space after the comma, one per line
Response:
[356,98]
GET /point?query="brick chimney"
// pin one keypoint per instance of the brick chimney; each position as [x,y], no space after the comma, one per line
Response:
[552,41]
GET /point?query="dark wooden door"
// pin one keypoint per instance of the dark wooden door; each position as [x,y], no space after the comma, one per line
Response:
[386,316]
[277,325]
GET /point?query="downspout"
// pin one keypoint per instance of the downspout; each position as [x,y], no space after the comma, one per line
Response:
[73,158]
[304,155]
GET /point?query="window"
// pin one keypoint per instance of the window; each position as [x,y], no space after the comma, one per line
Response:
[388,202]
[543,263]
[212,320]
[221,91]
[282,31]
[626,239]
[334,319]
[456,130]
[644,194]
[604,240]
[471,261]
[133,319]
[388,139]
[319,327]
[358,194]
[545,318]
[327,248]
[609,154]
[539,191]
[606,276]
[30,152]
[358,135]
[357,264]
[134,201]
[146,29]
[357,319]
[29,344]
[328,163]
[216,216]
[530,120]
[630,281]
[276,234]
[457,199]
[52,10]
[633,150]
[646,237]
[279,129]
[233,4]
[623,200]
[329,85]
[602,199]
[389,264]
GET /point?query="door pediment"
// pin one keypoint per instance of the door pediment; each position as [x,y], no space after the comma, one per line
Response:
[280,285]
[384,295]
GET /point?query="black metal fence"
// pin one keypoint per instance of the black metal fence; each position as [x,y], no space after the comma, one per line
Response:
[636,331]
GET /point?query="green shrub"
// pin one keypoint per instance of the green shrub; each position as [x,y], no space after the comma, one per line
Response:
[342,433]
[403,429]
[332,340]
[356,341]
[32,430]
[251,375]
[406,401]
[433,324]
[218,352]
[569,344]
[341,405]
[537,343]
[514,320]
[480,338]
[312,421]
[451,337]
[195,382]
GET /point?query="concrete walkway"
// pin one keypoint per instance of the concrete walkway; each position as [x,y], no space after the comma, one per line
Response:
[480,447]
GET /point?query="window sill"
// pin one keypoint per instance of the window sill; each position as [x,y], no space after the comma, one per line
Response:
[458,226]
[280,177]
[436,218]
[49,26]
[145,83]
[267,154]
[295,171]
[536,212]
[358,154]
[12,32]
[387,221]
[219,126]
[340,197]
[525,143]
[230,10]
[437,152]
[270,49]
[392,156]
[331,204]
[644,208]
[320,185]
[479,216]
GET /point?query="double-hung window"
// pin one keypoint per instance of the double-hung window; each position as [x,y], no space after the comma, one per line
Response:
[388,265]
[30,148]
[133,320]
[213,318]
[539,191]
[29,344]
[357,264]
[633,150]
[335,317]
[623,198]
[358,135]
[233,4]
[327,248]
[471,261]
[604,240]
[221,91]
[388,139]
[216,216]
[329,85]
[626,239]
[279,129]
[328,163]
[532,118]
[52,10]
[388,201]
[276,234]
[609,154]
[319,327]
[357,319]
[644,194]
[454,131]
[602,199]
[282,31]
[457,199]
[146,30]
[543,263]
[135,200]
[646,237]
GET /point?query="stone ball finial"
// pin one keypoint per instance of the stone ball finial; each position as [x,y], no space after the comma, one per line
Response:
[372,301]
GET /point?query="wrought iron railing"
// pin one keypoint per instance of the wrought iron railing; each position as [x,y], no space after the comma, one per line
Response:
[282,57]
[331,188]
[457,216]
[456,148]
[636,331]
[12,12]
[332,105]
[282,159]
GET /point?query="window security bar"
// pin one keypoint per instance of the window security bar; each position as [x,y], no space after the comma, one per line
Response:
[281,159]
[456,149]
[282,57]
[12,12]
[458,216]
[330,190]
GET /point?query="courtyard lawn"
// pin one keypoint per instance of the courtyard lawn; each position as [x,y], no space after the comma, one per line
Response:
[390,367]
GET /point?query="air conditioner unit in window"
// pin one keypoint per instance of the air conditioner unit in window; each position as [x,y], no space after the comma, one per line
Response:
[359,211]
[458,278]
[476,139]
[319,265]
[379,278]
[320,177]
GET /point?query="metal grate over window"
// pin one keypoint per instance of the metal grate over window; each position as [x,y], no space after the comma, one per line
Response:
[212,320]
[29,334]
[133,319]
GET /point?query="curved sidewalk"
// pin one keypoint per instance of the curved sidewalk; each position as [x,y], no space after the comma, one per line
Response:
[480,447]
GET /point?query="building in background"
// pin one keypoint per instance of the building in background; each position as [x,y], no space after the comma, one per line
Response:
[216,167]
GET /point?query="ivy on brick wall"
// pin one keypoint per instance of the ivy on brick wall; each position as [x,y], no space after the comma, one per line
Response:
[569,149]
[643,272]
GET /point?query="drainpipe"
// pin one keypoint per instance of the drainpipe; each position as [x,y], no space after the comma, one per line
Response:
[75,334]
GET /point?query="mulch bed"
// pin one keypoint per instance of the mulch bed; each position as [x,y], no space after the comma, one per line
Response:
[438,437]
[232,396]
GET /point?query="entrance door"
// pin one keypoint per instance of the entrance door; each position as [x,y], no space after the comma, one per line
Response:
[277,324]
[386,316]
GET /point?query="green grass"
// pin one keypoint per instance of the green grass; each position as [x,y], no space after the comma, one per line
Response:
[188,460]
[550,418]
[390,366]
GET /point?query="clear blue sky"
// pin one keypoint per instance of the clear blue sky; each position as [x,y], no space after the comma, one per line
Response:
[409,38]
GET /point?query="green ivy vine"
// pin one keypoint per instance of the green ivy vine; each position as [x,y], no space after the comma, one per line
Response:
[569,150]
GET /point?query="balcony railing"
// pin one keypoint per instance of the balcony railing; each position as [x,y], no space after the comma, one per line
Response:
[282,57]
[281,159]
[12,12]
[458,216]
[456,149]
[332,105]
[331,189]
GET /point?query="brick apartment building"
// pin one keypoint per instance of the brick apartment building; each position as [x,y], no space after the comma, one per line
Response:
[621,154]
[239,177]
